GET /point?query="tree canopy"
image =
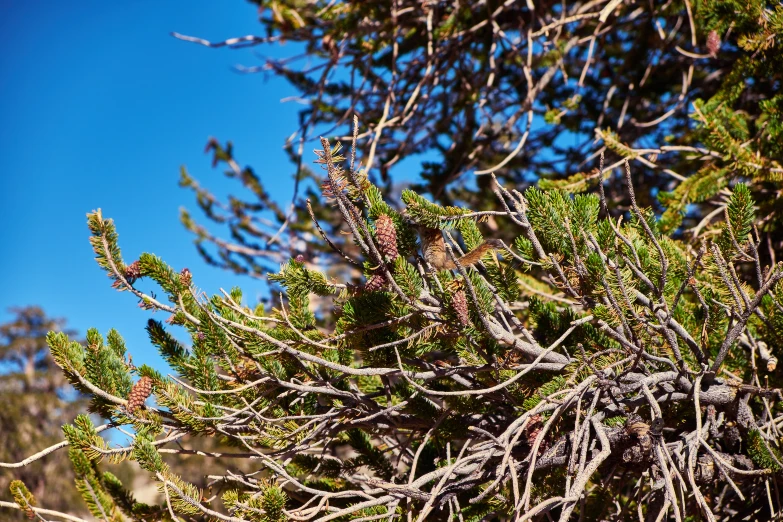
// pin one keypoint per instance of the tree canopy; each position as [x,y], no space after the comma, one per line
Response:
[533,92]
[574,314]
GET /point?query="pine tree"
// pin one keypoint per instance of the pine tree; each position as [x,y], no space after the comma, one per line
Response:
[635,372]
[563,339]
[36,400]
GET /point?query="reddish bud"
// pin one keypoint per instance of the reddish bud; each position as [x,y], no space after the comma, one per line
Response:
[133,271]
[713,43]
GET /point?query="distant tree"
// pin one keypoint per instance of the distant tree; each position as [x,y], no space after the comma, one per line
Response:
[36,401]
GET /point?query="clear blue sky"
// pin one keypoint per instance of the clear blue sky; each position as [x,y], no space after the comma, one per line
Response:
[99,107]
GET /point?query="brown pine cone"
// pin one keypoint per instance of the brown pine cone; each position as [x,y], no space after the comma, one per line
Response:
[376,282]
[460,305]
[133,271]
[387,236]
[185,277]
[139,393]
[533,430]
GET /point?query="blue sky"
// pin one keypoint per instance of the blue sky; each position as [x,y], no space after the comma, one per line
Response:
[99,107]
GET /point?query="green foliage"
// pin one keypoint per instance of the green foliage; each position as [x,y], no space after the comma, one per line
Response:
[370,455]
[273,502]
[407,277]
[739,213]
[105,365]
[146,455]
[761,452]
[429,214]
[575,183]
[98,502]
[699,187]
[82,435]
[566,219]
[300,282]
[524,247]
[22,496]
[504,279]
[104,243]
[547,389]
[266,507]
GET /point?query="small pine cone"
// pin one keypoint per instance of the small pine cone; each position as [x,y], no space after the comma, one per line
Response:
[376,282]
[387,236]
[713,43]
[133,271]
[139,393]
[460,305]
[533,434]
[185,277]
[533,430]
[300,258]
